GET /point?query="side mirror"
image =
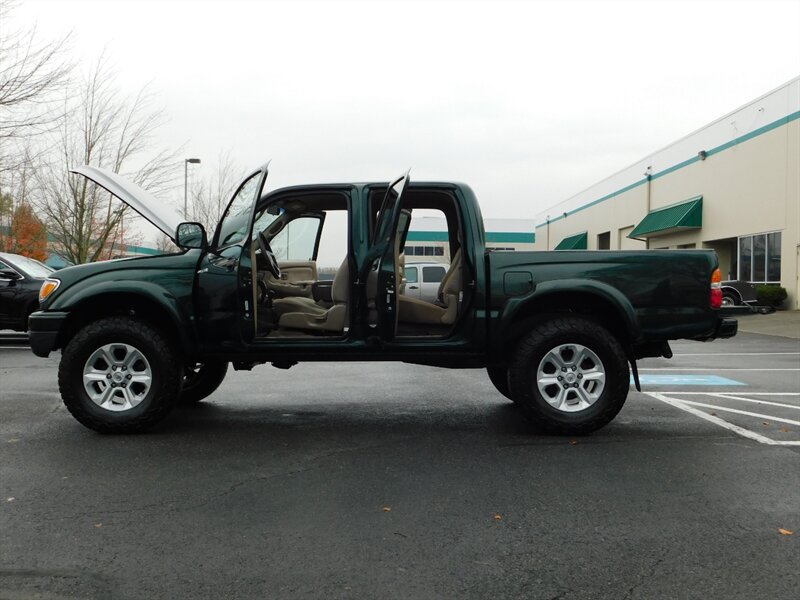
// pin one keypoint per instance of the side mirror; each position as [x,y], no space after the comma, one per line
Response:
[191,235]
[9,274]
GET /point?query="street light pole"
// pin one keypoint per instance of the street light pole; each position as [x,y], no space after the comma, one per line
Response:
[186,161]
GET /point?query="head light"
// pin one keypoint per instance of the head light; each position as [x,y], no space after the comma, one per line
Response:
[48,287]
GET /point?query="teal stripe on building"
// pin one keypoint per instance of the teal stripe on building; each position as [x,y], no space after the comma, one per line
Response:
[690,161]
[493,237]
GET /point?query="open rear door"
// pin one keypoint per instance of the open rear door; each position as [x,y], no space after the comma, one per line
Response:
[382,275]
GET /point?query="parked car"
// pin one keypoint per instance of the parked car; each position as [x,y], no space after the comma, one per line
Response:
[559,333]
[422,280]
[21,279]
[735,293]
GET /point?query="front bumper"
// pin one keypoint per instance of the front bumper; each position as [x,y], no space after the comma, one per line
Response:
[43,329]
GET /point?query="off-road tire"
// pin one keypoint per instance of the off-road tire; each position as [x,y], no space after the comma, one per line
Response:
[498,375]
[545,337]
[166,375]
[201,384]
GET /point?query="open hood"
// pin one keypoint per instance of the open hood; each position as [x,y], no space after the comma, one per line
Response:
[140,200]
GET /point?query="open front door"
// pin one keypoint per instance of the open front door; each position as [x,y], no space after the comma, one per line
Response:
[381,266]
[224,300]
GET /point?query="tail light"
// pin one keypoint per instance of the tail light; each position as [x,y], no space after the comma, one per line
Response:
[716,289]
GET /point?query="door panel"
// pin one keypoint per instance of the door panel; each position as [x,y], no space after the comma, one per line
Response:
[381,268]
[297,278]
[412,281]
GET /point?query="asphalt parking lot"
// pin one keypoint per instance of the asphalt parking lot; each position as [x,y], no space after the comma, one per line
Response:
[395,481]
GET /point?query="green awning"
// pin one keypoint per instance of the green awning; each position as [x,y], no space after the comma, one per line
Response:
[686,215]
[579,241]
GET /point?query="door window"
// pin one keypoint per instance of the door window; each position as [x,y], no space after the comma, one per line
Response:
[411,274]
[433,274]
[236,222]
[297,241]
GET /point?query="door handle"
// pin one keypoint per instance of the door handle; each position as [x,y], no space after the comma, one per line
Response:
[413,287]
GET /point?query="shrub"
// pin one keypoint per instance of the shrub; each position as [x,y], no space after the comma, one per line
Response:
[771,295]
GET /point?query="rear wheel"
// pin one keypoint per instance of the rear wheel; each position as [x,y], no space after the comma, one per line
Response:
[570,376]
[499,377]
[729,299]
[201,380]
[119,375]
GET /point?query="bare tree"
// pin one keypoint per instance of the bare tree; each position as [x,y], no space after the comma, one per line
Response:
[210,195]
[103,128]
[164,244]
[32,76]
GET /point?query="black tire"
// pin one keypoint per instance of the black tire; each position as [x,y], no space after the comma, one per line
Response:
[164,384]
[730,299]
[498,375]
[559,333]
[200,381]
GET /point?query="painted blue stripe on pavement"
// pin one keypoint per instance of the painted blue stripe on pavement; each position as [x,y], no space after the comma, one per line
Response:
[686,380]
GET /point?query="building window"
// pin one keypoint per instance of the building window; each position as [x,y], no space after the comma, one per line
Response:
[604,241]
[774,256]
[760,258]
[423,250]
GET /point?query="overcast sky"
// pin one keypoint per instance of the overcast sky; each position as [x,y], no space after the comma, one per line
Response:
[529,103]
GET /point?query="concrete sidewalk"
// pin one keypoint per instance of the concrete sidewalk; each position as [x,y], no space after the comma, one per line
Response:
[784,323]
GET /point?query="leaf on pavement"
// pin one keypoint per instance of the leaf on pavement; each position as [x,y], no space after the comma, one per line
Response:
[387,509]
[498,517]
[573,442]
[783,531]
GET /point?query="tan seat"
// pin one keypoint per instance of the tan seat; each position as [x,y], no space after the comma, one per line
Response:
[296,304]
[414,310]
[310,317]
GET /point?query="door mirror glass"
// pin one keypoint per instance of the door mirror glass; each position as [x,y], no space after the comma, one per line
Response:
[191,235]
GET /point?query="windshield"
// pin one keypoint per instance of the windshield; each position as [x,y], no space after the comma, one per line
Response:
[32,267]
[234,225]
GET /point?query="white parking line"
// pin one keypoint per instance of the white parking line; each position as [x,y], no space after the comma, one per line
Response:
[741,354]
[682,404]
[740,412]
[682,393]
[730,397]
[710,369]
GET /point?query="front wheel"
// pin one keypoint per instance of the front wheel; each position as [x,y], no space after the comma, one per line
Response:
[570,376]
[119,375]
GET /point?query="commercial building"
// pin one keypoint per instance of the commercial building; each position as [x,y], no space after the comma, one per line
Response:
[732,186]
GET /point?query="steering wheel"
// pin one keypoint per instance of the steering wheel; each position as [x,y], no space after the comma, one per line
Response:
[272,262]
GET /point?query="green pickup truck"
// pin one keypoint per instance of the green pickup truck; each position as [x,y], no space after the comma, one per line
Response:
[559,333]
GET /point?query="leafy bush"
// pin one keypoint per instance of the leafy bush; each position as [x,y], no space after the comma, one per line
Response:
[771,295]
